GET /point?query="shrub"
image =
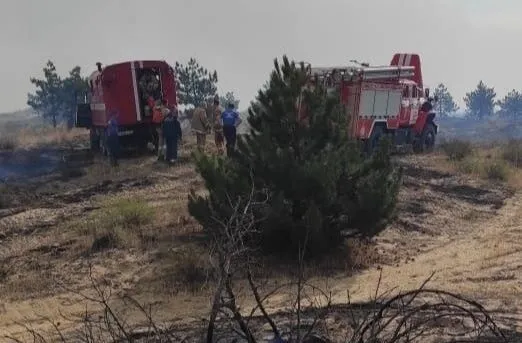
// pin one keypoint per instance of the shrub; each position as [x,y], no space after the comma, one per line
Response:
[496,170]
[457,149]
[4,197]
[311,181]
[512,153]
[8,143]
[190,270]
[470,165]
[129,213]
[118,222]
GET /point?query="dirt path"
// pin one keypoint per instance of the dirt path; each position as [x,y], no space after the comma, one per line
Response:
[485,263]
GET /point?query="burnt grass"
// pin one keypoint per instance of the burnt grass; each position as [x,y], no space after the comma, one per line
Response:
[426,193]
[450,186]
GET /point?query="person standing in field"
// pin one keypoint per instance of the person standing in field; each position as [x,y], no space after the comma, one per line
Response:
[231,120]
[172,133]
[160,111]
[219,138]
[200,126]
[113,139]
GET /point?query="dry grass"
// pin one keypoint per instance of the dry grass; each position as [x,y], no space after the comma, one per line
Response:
[497,170]
[456,149]
[36,137]
[490,162]
[184,269]
[120,223]
[42,136]
[512,153]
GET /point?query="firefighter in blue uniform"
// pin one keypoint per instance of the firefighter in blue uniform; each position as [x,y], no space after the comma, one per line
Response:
[231,121]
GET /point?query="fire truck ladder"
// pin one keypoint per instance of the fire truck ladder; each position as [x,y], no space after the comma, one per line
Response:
[338,73]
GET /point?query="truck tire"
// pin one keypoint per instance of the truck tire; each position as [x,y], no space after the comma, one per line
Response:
[426,141]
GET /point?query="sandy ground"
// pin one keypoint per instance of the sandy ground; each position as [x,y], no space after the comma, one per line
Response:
[464,230]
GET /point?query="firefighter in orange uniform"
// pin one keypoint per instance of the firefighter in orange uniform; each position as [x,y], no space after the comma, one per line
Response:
[158,114]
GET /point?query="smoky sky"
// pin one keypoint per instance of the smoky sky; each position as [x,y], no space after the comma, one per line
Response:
[460,42]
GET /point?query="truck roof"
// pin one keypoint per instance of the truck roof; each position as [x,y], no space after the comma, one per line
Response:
[138,62]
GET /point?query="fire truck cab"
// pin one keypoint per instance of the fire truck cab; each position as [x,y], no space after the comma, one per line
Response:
[126,88]
[383,100]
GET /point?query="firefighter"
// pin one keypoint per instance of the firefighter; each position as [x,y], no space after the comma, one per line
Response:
[219,139]
[113,140]
[231,121]
[172,133]
[160,111]
[200,126]
[427,106]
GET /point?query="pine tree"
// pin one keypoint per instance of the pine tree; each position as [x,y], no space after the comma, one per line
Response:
[229,98]
[313,176]
[56,98]
[511,104]
[445,104]
[480,103]
[195,83]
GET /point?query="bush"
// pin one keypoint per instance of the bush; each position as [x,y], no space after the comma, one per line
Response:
[512,153]
[190,269]
[457,149]
[496,170]
[8,143]
[311,181]
[129,213]
[469,166]
[4,197]
[118,222]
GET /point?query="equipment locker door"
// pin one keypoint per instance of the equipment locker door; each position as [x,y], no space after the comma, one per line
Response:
[404,117]
[83,116]
[414,105]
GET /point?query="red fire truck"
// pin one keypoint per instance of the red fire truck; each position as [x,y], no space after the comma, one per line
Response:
[383,100]
[129,88]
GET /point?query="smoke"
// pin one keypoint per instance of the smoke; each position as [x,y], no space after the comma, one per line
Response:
[494,129]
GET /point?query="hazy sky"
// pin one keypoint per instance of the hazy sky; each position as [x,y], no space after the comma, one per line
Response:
[460,41]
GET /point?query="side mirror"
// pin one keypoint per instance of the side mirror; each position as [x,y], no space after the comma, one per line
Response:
[427,92]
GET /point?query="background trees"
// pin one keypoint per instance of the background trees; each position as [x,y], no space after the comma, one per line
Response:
[55,98]
[480,103]
[511,105]
[229,98]
[445,105]
[195,83]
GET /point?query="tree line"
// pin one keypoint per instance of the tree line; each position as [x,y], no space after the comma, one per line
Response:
[56,97]
[482,102]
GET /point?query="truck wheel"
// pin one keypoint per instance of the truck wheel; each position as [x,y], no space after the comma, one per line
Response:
[426,141]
